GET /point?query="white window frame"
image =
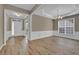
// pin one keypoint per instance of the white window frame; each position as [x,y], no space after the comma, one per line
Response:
[66,26]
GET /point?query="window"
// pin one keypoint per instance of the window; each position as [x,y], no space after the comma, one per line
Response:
[66,26]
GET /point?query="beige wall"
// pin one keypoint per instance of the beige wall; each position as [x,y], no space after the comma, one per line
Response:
[1,25]
[9,24]
[55,25]
[40,23]
[77,23]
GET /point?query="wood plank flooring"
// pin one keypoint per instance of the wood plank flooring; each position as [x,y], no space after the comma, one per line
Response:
[46,46]
[15,46]
[54,46]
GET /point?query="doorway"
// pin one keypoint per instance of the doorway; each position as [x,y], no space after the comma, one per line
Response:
[18,27]
[15,25]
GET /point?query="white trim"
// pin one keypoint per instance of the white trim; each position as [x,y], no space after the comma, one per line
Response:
[12,27]
[36,9]
[26,27]
[65,27]
[30,27]
[73,36]
[41,34]
[5,19]
[65,23]
[58,26]
[74,26]
[2,46]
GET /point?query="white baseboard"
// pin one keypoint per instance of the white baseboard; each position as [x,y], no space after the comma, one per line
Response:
[73,36]
[9,34]
[2,46]
[40,34]
[43,34]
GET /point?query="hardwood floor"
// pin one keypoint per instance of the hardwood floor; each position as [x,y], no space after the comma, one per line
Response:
[54,46]
[15,46]
[46,46]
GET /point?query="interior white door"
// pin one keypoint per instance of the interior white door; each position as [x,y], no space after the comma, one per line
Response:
[18,28]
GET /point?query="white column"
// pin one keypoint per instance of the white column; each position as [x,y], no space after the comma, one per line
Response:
[12,27]
[30,26]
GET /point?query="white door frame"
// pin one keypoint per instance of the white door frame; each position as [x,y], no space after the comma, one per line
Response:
[5,21]
[5,25]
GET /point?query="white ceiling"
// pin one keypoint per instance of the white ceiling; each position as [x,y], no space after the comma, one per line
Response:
[24,6]
[50,10]
[14,14]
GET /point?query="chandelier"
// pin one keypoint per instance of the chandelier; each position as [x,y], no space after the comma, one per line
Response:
[58,15]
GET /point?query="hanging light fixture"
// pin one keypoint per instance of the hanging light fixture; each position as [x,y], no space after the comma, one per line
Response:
[18,14]
[58,16]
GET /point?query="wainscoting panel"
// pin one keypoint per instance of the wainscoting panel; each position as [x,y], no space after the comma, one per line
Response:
[9,34]
[73,36]
[40,34]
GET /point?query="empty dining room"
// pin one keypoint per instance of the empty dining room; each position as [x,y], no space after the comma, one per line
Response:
[39,29]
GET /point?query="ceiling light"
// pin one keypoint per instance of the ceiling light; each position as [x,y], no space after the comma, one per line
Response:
[58,16]
[18,14]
